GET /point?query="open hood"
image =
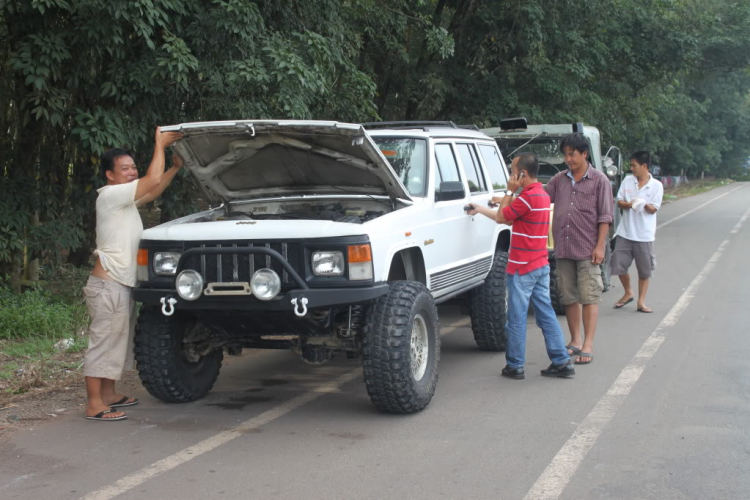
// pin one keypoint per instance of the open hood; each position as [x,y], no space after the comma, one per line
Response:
[250,159]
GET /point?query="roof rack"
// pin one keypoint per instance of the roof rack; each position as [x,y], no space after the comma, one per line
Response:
[470,127]
[410,124]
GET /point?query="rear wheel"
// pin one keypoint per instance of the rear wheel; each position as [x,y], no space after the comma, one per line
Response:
[554,292]
[606,271]
[489,307]
[402,348]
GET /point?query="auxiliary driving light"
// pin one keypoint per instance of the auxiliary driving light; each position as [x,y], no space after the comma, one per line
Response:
[189,284]
[265,284]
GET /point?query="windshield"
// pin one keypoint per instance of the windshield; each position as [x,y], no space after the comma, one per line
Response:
[408,157]
[546,148]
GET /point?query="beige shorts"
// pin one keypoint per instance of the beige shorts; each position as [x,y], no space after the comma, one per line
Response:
[112,329]
[578,281]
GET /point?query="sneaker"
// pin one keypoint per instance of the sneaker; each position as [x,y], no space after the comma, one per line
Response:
[514,373]
[561,371]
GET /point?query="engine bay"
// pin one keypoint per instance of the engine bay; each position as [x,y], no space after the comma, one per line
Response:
[349,211]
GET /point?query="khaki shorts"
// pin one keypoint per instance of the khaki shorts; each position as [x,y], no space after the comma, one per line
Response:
[112,329]
[626,251]
[578,281]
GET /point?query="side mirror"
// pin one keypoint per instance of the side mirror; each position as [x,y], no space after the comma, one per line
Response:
[450,191]
[609,167]
[612,166]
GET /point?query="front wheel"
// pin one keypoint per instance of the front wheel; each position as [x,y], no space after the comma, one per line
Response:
[402,348]
[175,360]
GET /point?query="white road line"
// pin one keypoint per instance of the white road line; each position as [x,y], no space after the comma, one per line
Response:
[564,465]
[697,208]
[166,464]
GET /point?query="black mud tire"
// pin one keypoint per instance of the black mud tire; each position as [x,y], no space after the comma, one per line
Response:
[162,366]
[386,353]
[606,271]
[489,307]
[554,293]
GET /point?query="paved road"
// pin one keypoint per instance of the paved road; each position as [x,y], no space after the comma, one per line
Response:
[662,413]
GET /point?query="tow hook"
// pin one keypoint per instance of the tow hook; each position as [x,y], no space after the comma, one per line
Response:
[300,307]
[167,305]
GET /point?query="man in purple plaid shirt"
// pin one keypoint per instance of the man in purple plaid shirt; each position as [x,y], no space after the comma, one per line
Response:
[582,214]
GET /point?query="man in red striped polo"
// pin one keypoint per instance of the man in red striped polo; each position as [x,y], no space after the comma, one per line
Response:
[528,269]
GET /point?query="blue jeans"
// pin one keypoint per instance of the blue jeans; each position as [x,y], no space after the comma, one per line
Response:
[533,287]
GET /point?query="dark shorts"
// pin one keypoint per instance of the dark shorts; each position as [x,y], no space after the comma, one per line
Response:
[626,251]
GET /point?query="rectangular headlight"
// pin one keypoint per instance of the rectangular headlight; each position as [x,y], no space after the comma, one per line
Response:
[165,263]
[328,263]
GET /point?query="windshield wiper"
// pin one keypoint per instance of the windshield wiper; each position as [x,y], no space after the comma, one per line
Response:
[524,144]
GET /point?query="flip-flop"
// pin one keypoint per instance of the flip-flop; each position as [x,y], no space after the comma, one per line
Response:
[620,305]
[646,310]
[576,350]
[124,402]
[100,416]
[585,355]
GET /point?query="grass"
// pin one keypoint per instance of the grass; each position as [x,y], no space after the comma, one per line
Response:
[31,326]
[693,188]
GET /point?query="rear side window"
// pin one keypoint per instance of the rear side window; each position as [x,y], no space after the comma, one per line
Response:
[472,168]
[446,163]
[494,166]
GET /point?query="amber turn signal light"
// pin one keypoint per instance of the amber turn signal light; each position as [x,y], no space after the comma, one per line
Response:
[360,253]
[142,257]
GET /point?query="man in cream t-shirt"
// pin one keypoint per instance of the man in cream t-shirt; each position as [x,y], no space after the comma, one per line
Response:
[112,310]
[640,198]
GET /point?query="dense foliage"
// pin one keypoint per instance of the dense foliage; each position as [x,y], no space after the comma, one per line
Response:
[80,76]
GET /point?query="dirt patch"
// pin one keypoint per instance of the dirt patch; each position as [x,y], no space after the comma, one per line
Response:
[62,397]
[65,393]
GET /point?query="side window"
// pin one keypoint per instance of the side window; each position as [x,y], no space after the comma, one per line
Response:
[447,168]
[472,168]
[494,165]
[447,172]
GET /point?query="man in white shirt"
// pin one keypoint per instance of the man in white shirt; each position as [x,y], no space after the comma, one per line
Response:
[108,299]
[639,197]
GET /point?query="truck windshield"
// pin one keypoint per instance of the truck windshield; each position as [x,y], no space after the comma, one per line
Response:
[408,157]
[546,148]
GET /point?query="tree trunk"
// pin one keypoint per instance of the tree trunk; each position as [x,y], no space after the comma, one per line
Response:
[16,267]
[31,266]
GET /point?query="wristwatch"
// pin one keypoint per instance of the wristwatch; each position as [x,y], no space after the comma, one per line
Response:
[508,192]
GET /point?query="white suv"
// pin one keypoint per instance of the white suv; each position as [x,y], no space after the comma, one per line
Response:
[326,237]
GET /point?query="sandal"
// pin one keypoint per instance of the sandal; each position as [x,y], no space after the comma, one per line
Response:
[124,402]
[100,416]
[584,355]
[620,305]
[575,350]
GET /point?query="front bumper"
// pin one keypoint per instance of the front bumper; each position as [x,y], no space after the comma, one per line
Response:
[316,297]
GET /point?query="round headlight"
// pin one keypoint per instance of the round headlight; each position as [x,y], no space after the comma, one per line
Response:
[189,284]
[265,284]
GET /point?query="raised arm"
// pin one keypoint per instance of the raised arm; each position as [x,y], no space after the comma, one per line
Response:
[155,171]
[166,180]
